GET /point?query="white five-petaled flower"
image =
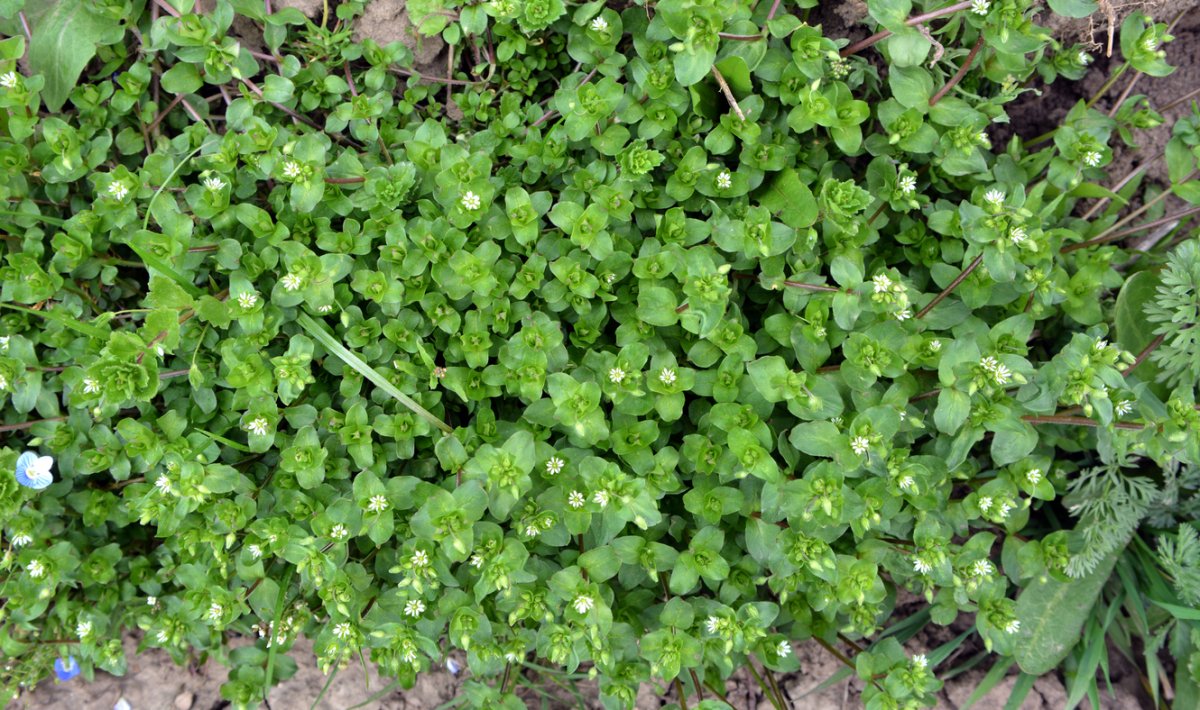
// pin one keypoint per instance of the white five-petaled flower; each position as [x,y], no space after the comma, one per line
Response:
[342,630]
[339,532]
[994,197]
[163,636]
[1091,158]
[985,503]
[257,426]
[3,342]
[1017,235]
[377,504]
[255,551]
[532,530]
[3,383]
[21,539]
[151,600]
[414,608]
[1034,476]
[576,500]
[214,183]
[935,345]
[616,375]
[919,661]
[215,611]
[599,24]
[1150,43]
[724,180]
[163,484]
[470,201]
[907,184]
[712,624]
[90,386]
[117,190]
[882,283]
[903,314]
[921,566]
[247,299]
[1005,509]
[325,308]
[420,558]
[1012,627]
[583,604]
[982,568]
[601,498]
[36,569]
[9,80]
[667,376]
[980,7]
[906,483]
[999,372]
[83,629]
[860,445]
[554,465]
[1084,58]
[1123,407]
[784,649]
[291,281]
[476,561]
[291,169]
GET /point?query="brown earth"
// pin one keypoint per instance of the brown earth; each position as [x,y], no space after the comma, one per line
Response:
[155,683]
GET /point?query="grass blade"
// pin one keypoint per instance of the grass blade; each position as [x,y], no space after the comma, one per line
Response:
[1020,689]
[279,601]
[325,688]
[78,326]
[326,339]
[991,680]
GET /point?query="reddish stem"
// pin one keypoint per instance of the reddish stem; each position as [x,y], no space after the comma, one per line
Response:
[953,285]
[958,75]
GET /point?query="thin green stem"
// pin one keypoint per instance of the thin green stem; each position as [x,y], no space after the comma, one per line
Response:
[953,285]
[762,684]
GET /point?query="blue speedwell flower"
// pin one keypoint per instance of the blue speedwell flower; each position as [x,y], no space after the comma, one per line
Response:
[66,668]
[33,471]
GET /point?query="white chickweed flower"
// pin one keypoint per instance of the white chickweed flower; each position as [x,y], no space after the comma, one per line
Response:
[117,190]
[724,180]
[994,197]
[1017,236]
[339,532]
[1084,58]
[935,345]
[247,300]
[882,283]
[1005,508]
[982,568]
[342,630]
[36,569]
[163,484]
[152,600]
[83,629]
[1123,407]
[9,80]
[215,611]
[21,539]
[980,7]
[985,503]
[601,498]
[667,376]
[1034,476]
[90,386]
[919,661]
[470,201]
[576,500]
[1091,158]
[377,504]
[616,375]
[1012,627]
[291,170]
[163,637]
[712,624]
[583,604]
[921,566]
[784,649]
[906,483]
[414,608]
[907,184]
[420,558]
[291,281]
[860,445]
[554,465]
[255,551]
[258,426]
[599,24]
[214,183]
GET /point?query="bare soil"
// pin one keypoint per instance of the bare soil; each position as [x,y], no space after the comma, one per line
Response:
[155,683]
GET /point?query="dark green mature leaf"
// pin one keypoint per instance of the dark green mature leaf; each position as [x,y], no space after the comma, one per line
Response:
[1052,614]
[66,34]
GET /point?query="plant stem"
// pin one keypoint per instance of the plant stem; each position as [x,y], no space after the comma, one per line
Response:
[682,697]
[1119,186]
[953,285]
[1107,85]
[1077,421]
[1145,353]
[958,75]
[696,682]
[812,287]
[1107,235]
[344,181]
[728,93]
[914,20]
[25,425]
[740,38]
[1154,223]
[1181,100]
[762,684]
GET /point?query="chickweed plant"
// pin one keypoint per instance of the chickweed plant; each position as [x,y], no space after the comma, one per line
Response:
[641,342]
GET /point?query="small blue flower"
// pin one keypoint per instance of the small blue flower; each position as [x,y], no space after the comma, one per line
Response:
[33,471]
[66,668]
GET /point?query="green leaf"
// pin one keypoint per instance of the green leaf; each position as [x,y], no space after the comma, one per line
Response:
[65,36]
[1073,8]
[1052,614]
[322,336]
[1133,330]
